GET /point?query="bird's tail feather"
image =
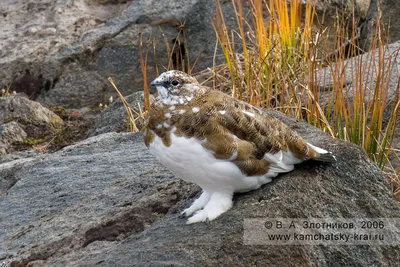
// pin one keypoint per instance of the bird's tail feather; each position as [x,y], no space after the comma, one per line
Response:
[326,157]
[322,154]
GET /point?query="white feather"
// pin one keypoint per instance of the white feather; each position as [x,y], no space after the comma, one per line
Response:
[234,156]
[248,113]
[280,162]
[318,149]
[289,158]
[190,161]
[162,91]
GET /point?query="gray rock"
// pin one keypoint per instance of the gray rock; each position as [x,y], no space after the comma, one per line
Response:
[350,68]
[76,88]
[20,155]
[10,133]
[158,22]
[25,111]
[106,201]
[362,7]
[390,11]
[47,32]
[21,118]
[71,47]
[394,156]
[114,118]
[46,57]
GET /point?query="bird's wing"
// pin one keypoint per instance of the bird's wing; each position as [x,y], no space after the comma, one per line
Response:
[243,134]
[255,141]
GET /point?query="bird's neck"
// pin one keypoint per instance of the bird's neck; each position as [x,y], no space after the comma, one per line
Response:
[172,100]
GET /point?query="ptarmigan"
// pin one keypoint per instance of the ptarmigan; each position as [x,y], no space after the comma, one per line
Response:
[220,143]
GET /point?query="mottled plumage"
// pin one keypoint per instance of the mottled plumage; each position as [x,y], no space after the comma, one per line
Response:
[220,143]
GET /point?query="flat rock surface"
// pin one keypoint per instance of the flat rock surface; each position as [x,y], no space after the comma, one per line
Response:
[106,201]
[369,75]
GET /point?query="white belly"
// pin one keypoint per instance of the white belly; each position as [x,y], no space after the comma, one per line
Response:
[190,161]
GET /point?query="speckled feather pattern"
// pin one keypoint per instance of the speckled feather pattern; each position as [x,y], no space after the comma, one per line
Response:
[220,143]
[228,128]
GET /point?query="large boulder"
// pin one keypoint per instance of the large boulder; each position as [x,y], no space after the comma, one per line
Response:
[370,62]
[372,74]
[62,52]
[387,11]
[21,109]
[106,201]
[29,119]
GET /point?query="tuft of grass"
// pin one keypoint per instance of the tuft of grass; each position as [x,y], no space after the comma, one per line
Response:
[272,61]
[7,91]
[133,115]
[143,64]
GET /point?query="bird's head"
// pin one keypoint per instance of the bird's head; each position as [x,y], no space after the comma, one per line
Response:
[175,87]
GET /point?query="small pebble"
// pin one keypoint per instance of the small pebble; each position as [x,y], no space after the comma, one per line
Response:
[47,32]
[32,30]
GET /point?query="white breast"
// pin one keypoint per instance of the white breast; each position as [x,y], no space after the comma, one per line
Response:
[190,161]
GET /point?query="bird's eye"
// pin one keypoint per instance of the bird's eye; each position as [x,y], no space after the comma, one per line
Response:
[174,82]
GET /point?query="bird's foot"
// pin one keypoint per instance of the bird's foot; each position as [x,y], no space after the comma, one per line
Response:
[219,203]
[197,204]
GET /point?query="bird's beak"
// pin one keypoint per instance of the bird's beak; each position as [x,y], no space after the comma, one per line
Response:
[155,82]
[153,85]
